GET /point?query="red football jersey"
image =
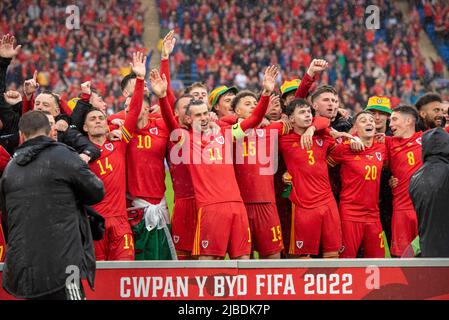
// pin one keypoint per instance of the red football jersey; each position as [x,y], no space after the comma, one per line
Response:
[308,169]
[404,156]
[252,168]
[111,166]
[360,180]
[180,173]
[145,160]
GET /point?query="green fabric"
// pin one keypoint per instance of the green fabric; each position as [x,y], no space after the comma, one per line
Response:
[416,247]
[287,191]
[387,249]
[150,245]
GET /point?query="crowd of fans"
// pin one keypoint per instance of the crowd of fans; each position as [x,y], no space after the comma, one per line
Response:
[108,32]
[223,43]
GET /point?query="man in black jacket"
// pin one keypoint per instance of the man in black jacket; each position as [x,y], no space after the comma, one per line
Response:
[43,191]
[429,191]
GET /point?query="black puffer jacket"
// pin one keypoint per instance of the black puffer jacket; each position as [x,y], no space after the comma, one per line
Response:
[429,191]
[43,190]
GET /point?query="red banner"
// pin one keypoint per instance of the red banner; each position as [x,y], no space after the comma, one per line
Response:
[369,282]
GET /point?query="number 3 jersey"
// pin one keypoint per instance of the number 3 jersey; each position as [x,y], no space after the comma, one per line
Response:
[360,179]
[404,156]
[308,169]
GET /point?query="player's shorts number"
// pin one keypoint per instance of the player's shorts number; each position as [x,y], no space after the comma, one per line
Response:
[311,157]
[411,158]
[371,173]
[382,245]
[1,253]
[105,167]
[144,142]
[277,234]
[128,241]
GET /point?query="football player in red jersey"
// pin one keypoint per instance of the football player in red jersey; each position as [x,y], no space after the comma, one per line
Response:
[315,219]
[404,155]
[222,224]
[359,197]
[117,243]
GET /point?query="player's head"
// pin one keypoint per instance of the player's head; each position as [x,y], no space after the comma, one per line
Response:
[181,106]
[430,110]
[380,107]
[128,83]
[325,101]
[96,100]
[53,133]
[403,120]
[95,123]
[288,89]
[197,115]
[244,104]
[300,113]
[198,91]
[220,100]
[274,111]
[47,101]
[364,124]
[34,124]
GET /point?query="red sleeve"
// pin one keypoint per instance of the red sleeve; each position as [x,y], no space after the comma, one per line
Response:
[336,155]
[4,158]
[65,108]
[27,105]
[165,69]
[304,86]
[279,126]
[167,114]
[256,118]
[321,123]
[227,120]
[85,97]
[135,106]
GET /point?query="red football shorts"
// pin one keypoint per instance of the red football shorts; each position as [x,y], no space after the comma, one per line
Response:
[404,229]
[316,228]
[362,234]
[222,227]
[266,234]
[2,244]
[184,223]
[117,242]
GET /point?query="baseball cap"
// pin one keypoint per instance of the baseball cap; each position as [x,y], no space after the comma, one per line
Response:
[379,103]
[289,86]
[218,92]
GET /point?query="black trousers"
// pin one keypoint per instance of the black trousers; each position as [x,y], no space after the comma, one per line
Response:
[70,292]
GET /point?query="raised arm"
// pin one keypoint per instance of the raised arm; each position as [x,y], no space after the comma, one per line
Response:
[168,44]
[30,87]
[317,65]
[135,105]
[7,53]
[258,114]
[159,86]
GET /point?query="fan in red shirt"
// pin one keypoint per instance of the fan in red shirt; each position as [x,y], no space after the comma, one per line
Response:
[222,224]
[117,243]
[359,197]
[315,219]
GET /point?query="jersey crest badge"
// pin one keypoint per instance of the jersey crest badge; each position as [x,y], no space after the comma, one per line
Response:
[260,133]
[220,140]
[299,244]
[154,131]
[419,141]
[319,142]
[109,146]
[204,243]
[379,156]
[175,239]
